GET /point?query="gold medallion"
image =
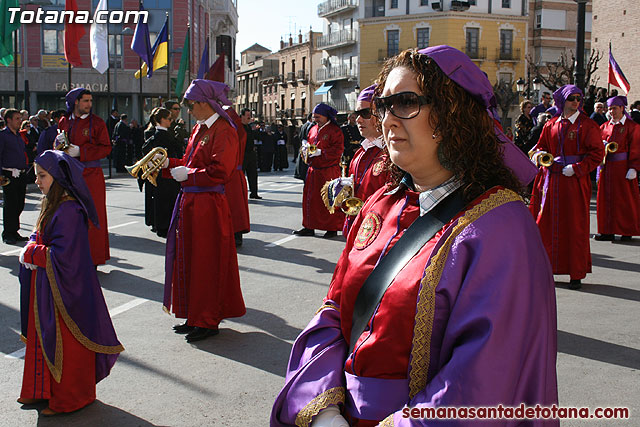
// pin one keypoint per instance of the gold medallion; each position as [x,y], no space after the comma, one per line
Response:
[369,230]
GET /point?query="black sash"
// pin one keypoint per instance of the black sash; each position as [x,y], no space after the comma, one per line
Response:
[414,238]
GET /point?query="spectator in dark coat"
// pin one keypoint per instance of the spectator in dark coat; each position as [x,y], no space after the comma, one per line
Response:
[598,115]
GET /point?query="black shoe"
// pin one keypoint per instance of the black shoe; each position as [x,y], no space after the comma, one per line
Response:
[305,232]
[162,233]
[20,238]
[238,238]
[603,237]
[254,196]
[183,328]
[199,334]
[9,240]
[575,284]
[625,238]
[330,234]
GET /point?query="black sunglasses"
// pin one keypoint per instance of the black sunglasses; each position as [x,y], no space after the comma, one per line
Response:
[365,113]
[175,108]
[574,98]
[188,104]
[403,105]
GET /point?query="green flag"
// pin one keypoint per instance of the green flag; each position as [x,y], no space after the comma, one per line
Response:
[184,63]
[6,29]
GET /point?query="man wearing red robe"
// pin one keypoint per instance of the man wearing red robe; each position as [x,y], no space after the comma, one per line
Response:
[90,142]
[202,282]
[618,196]
[562,191]
[324,166]
[236,189]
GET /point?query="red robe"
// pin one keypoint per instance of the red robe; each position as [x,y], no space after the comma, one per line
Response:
[369,174]
[236,188]
[618,197]
[205,283]
[322,168]
[92,136]
[562,213]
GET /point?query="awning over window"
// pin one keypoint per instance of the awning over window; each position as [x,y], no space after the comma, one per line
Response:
[323,89]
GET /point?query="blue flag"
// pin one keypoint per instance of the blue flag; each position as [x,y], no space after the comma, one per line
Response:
[204,62]
[141,44]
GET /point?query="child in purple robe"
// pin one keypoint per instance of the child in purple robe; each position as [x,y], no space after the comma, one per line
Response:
[71,342]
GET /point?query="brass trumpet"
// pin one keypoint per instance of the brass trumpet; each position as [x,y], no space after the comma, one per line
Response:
[351,204]
[4,181]
[310,150]
[149,172]
[63,146]
[543,158]
[609,148]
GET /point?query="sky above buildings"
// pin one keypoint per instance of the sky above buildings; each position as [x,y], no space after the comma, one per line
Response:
[266,22]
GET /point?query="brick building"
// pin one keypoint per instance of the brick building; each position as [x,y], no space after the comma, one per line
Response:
[45,71]
[619,24]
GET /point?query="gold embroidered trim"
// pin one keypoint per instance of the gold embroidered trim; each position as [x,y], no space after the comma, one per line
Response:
[75,330]
[387,422]
[423,328]
[326,306]
[333,396]
[54,369]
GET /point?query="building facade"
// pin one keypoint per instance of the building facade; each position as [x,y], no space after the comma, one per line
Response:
[620,25]
[493,33]
[290,95]
[552,31]
[256,64]
[43,76]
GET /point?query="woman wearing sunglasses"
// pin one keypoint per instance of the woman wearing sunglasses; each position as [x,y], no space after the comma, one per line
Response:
[463,315]
[562,192]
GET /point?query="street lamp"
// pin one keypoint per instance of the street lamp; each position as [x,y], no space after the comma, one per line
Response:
[520,84]
[578,72]
[524,87]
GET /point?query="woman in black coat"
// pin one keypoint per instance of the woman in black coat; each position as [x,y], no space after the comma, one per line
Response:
[165,194]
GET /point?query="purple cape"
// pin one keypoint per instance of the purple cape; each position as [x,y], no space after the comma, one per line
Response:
[69,286]
[459,68]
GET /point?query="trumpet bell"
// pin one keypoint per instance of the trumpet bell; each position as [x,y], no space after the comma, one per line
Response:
[149,166]
[545,159]
[611,147]
[352,206]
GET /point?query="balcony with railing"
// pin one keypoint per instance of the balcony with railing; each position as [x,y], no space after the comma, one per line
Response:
[337,39]
[291,77]
[333,7]
[507,55]
[282,80]
[477,54]
[342,105]
[302,76]
[336,73]
[300,113]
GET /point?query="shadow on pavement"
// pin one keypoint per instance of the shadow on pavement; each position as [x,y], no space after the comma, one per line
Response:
[9,339]
[257,248]
[140,244]
[283,276]
[590,348]
[608,262]
[606,290]
[268,322]
[97,414]
[130,284]
[257,349]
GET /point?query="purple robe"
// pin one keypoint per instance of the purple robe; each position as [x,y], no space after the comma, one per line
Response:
[68,285]
[469,321]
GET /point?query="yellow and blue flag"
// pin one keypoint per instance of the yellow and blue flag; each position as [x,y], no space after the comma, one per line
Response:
[159,51]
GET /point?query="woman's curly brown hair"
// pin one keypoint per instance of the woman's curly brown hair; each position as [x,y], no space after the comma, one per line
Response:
[469,147]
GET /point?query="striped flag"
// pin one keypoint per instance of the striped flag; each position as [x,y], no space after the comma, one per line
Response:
[616,76]
[98,41]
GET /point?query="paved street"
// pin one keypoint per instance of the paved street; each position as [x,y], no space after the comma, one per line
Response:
[233,378]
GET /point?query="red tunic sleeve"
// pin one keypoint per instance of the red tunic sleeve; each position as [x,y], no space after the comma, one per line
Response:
[590,145]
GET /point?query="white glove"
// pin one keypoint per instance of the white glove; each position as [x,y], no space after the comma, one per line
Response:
[329,417]
[632,174]
[568,170]
[73,150]
[347,180]
[180,173]
[60,139]
[15,172]
[156,157]
[316,153]
[26,264]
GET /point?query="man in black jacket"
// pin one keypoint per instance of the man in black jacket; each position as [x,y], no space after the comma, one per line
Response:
[250,162]
[122,141]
